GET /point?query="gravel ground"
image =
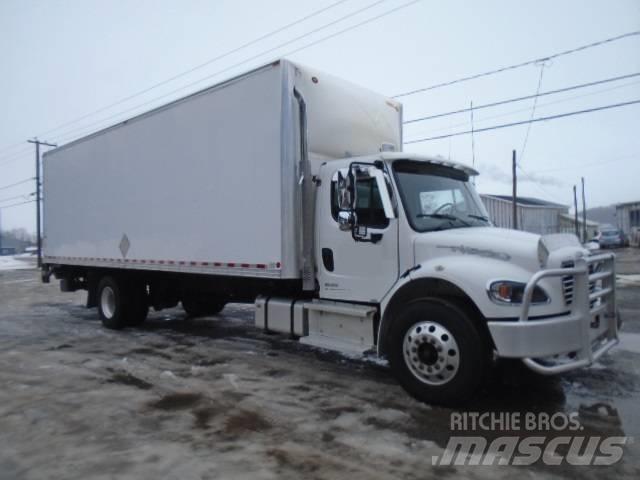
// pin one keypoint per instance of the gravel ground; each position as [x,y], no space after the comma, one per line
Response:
[215,397]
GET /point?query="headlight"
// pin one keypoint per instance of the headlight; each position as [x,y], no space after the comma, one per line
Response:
[511,293]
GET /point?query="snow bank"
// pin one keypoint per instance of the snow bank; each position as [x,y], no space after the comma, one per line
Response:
[17,263]
[628,280]
[629,342]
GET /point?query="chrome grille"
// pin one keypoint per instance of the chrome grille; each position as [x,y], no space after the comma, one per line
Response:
[567,283]
[593,268]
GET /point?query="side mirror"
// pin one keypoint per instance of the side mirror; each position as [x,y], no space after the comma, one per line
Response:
[346,199]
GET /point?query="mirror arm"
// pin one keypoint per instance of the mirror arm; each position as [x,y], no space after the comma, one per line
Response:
[384,194]
[373,238]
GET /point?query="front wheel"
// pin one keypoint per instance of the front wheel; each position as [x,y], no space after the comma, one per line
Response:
[437,353]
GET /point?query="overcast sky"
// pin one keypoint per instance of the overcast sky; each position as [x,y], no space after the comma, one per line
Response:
[64,59]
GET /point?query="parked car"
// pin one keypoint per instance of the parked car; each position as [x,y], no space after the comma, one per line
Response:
[611,238]
[625,239]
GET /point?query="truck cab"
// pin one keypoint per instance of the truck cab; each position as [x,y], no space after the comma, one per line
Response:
[409,236]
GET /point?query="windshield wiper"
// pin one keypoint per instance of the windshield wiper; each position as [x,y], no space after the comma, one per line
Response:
[444,216]
[479,217]
[437,215]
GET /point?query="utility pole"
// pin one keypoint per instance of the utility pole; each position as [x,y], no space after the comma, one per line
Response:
[473,145]
[575,206]
[515,191]
[38,214]
[584,214]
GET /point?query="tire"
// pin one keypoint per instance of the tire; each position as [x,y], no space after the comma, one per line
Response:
[120,305]
[140,305]
[619,321]
[198,307]
[437,353]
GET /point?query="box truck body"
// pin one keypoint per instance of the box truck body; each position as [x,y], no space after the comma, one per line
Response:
[288,187]
[210,183]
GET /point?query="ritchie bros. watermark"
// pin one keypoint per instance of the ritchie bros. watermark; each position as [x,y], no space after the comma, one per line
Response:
[525,438]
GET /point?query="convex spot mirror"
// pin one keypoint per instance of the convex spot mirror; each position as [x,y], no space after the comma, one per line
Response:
[345,190]
[346,220]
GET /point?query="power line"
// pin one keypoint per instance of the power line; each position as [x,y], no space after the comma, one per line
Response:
[288,26]
[17,152]
[543,105]
[219,72]
[17,196]
[10,147]
[526,97]
[179,89]
[16,204]
[531,179]
[315,42]
[353,27]
[523,122]
[533,112]
[588,165]
[519,65]
[201,65]
[18,183]
[13,157]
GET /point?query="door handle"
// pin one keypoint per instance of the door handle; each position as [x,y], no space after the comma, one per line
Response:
[327,259]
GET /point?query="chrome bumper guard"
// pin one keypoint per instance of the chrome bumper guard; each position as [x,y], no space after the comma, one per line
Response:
[582,336]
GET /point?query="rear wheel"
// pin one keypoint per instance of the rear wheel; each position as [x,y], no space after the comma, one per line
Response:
[139,304]
[121,303]
[437,353]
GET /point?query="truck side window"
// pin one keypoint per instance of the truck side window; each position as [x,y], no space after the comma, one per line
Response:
[369,204]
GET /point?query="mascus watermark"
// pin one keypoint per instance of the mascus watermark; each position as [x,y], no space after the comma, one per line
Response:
[525,438]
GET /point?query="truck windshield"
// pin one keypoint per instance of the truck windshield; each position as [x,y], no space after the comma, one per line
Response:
[436,197]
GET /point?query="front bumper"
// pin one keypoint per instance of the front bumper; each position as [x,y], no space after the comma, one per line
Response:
[575,340]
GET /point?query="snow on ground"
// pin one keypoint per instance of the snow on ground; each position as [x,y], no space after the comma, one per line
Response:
[215,397]
[630,342]
[628,280]
[17,262]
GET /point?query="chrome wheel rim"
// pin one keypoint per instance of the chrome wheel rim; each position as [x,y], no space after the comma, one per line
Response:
[108,302]
[431,353]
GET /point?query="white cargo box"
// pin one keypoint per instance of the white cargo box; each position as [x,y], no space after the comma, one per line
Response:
[209,183]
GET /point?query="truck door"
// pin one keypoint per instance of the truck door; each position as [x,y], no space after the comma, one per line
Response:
[348,269]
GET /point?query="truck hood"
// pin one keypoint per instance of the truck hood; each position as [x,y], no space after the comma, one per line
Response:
[489,242]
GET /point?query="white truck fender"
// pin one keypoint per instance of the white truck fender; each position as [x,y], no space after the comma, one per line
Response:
[470,276]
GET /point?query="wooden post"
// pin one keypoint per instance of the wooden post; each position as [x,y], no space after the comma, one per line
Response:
[38,184]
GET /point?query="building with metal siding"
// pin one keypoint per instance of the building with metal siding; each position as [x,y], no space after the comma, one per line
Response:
[628,220]
[568,225]
[534,215]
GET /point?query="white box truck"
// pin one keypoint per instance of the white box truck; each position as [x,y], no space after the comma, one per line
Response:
[287,188]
